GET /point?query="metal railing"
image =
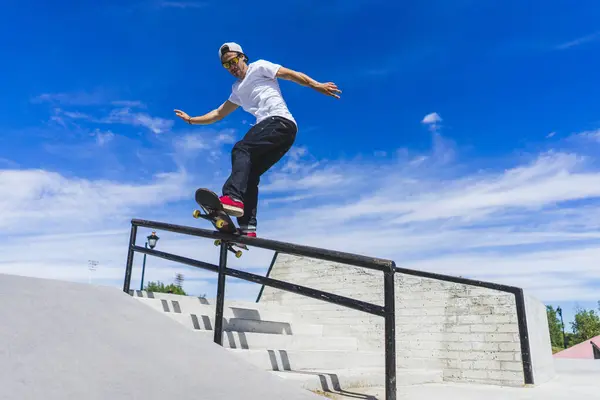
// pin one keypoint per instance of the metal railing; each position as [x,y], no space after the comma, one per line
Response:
[388,267]
[595,350]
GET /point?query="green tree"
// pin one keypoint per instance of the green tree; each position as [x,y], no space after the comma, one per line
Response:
[162,288]
[555,327]
[179,279]
[586,325]
[570,339]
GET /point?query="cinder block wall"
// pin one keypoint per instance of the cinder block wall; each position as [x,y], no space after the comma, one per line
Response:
[469,332]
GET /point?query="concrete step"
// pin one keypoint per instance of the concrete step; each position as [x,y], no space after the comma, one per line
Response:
[251,340]
[193,306]
[337,380]
[243,309]
[211,301]
[288,360]
[232,324]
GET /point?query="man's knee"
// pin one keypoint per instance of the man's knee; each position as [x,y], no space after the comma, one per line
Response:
[254,177]
[239,147]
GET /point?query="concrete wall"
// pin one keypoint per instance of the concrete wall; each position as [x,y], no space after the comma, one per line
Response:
[539,340]
[469,332]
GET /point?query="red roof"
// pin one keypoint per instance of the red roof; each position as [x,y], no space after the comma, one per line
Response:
[582,350]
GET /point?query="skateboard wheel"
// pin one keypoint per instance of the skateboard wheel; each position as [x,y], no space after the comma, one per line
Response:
[238,253]
[220,223]
[196,214]
[217,242]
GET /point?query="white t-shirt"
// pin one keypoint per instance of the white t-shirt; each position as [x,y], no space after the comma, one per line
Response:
[259,93]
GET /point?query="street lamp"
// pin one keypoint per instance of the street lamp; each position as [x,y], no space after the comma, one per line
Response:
[152,239]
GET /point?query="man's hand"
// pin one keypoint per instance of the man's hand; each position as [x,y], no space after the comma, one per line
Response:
[182,115]
[329,88]
[210,117]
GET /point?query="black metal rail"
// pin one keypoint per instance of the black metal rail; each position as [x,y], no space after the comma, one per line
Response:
[595,350]
[388,268]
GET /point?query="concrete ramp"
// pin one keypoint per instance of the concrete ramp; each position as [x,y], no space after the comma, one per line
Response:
[63,340]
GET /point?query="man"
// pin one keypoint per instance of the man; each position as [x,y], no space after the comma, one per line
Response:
[257,91]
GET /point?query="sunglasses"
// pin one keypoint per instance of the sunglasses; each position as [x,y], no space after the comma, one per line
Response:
[229,63]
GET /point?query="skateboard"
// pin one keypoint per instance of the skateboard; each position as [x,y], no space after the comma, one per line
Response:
[214,212]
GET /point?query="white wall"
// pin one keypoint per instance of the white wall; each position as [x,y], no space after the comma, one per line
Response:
[539,340]
[471,333]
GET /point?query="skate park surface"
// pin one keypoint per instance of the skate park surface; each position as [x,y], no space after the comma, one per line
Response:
[62,340]
[578,379]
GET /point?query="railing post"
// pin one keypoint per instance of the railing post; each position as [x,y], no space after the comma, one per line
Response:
[390,335]
[220,294]
[130,253]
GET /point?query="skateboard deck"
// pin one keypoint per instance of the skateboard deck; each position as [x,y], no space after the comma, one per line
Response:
[214,212]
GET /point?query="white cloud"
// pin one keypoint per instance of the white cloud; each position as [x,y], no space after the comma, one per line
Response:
[225,137]
[521,226]
[129,103]
[590,135]
[579,41]
[121,115]
[102,138]
[431,118]
[182,4]
[127,117]
[553,275]
[80,98]
[533,224]
[191,143]
[65,257]
[76,115]
[202,145]
[37,200]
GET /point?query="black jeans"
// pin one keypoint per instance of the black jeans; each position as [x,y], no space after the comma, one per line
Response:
[263,146]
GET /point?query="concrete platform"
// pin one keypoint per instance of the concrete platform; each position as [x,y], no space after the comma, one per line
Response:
[575,379]
[334,380]
[62,340]
[281,360]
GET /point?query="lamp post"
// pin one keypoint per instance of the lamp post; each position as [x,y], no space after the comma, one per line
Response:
[559,311]
[152,239]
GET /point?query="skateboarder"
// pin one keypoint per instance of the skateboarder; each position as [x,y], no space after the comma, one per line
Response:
[257,91]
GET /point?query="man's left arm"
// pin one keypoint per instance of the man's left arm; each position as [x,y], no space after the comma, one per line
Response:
[328,88]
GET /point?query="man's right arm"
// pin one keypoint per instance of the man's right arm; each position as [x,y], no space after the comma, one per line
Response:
[211,117]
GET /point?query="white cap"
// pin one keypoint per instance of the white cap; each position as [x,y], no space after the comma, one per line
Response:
[229,46]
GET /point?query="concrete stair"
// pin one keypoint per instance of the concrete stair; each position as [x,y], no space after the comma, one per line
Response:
[254,340]
[290,346]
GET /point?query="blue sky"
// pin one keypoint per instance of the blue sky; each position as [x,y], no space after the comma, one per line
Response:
[468,129]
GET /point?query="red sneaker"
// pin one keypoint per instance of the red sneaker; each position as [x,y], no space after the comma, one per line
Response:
[232,207]
[248,230]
